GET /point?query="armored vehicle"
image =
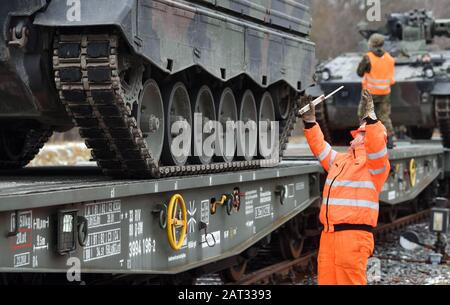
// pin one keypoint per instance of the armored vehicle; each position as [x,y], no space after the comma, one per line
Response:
[126,72]
[421,96]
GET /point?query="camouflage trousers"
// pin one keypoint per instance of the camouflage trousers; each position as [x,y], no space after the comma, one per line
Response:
[382,105]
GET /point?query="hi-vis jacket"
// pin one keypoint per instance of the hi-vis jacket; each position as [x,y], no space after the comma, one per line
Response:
[355,178]
[381,76]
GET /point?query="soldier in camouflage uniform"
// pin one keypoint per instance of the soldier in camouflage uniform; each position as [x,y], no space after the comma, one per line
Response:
[379,82]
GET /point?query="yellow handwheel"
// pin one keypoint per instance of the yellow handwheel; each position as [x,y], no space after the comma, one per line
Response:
[412,172]
[174,223]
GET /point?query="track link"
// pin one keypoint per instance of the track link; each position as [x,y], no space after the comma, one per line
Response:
[87,79]
[287,127]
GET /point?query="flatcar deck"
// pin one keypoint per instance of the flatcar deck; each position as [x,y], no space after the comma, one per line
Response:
[47,186]
[125,218]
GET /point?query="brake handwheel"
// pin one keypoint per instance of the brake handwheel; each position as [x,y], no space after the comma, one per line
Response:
[176,220]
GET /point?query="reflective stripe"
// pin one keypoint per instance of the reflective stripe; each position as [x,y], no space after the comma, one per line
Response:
[333,156]
[378,81]
[378,87]
[378,155]
[377,171]
[324,153]
[352,203]
[354,184]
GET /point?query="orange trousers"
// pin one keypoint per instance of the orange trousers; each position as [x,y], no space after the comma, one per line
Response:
[343,257]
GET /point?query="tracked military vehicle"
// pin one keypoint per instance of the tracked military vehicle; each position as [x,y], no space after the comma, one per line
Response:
[123,71]
[421,96]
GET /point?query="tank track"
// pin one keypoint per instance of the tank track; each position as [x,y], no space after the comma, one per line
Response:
[35,140]
[87,79]
[287,127]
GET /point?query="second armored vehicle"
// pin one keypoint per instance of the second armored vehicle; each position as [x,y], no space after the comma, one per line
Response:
[421,96]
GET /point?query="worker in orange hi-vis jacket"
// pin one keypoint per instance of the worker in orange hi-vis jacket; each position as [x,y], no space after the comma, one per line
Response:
[349,208]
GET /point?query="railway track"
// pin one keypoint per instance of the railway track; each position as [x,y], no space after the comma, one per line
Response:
[293,269]
[382,230]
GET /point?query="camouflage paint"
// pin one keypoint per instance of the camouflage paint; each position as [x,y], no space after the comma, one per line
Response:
[182,34]
[413,94]
[266,39]
[25,90]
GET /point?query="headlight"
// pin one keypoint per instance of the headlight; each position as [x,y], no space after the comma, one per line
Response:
[429,72]
[326,75]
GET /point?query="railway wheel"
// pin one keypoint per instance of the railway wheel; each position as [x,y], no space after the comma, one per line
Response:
[414,206]
[247,129]
[236,272]
[292,238]
[426,198]
[18,146]
[291,248]
[178,125]
[227,117]
[389,213]
[266,134]
[204,105]
[150,116]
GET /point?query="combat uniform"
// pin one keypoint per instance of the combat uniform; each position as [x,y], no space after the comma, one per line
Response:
[377,69]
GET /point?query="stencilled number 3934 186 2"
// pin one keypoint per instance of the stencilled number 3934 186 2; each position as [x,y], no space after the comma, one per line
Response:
[74,10]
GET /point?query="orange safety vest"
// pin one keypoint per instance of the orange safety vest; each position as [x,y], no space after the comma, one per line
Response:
[381,76]
[355,178]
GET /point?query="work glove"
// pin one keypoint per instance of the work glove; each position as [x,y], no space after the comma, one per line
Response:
[367,106]
[310,115]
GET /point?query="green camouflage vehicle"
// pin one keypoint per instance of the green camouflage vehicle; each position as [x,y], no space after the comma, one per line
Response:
[421,96]
[124,71]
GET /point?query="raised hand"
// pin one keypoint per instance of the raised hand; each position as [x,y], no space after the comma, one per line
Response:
[310,115]
[367,106]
